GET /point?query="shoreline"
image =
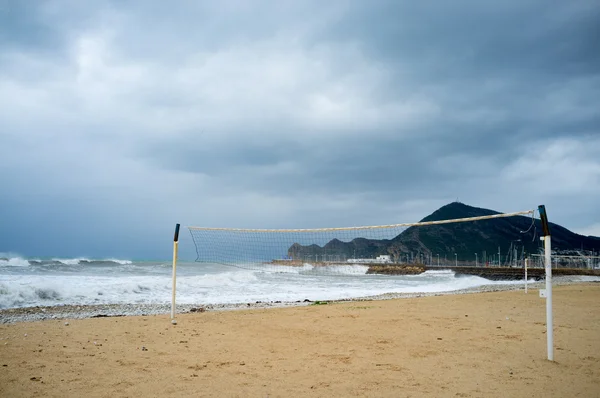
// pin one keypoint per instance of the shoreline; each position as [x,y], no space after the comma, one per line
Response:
[67,311]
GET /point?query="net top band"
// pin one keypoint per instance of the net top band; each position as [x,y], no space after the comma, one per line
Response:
[416,224]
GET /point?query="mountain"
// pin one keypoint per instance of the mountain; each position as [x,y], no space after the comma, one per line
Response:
[484,237]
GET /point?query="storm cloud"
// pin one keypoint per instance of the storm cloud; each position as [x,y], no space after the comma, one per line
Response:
[119,119]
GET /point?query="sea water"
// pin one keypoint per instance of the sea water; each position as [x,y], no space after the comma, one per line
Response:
[81,281]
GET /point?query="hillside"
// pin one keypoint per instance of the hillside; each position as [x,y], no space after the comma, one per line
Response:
[465,239]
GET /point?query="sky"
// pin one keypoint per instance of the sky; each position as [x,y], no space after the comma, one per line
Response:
[119,119]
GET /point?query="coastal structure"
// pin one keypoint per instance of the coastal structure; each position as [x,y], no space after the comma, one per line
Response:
[381,259]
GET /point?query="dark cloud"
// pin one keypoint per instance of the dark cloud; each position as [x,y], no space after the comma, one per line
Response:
[24,28]
[471,39]
[287,114]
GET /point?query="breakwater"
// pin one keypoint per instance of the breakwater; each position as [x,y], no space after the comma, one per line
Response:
[491,273]
[509,273]
[396,269]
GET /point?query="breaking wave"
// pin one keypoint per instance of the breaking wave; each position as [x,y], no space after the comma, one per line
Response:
[17,261]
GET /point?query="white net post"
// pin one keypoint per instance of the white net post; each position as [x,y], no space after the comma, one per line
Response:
[174,288]
[549,317]
[548,269]
[526,264]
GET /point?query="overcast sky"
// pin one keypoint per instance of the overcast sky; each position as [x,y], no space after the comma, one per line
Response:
[119,119]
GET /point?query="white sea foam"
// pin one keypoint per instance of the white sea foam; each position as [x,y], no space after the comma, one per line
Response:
[114,281]
[19,261]
[13,262]
[85,260]
[439,272]
[339,270]
[116,260]
[70,261]
[584,278]
[32,290]
[213,284]
[277,269]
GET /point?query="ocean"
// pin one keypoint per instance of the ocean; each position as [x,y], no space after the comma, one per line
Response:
[30,282]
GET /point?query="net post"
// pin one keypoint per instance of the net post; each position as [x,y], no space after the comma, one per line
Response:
[526,263]
[548,268]
[174,289]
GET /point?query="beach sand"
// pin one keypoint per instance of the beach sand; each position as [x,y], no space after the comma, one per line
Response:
[470,345]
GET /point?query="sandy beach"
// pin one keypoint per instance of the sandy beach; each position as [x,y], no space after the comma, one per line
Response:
[489,344]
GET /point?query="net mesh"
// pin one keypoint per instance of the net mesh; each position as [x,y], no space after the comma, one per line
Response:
[582,261]
[380,249]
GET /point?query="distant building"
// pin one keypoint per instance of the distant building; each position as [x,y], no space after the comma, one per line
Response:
[382,259]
